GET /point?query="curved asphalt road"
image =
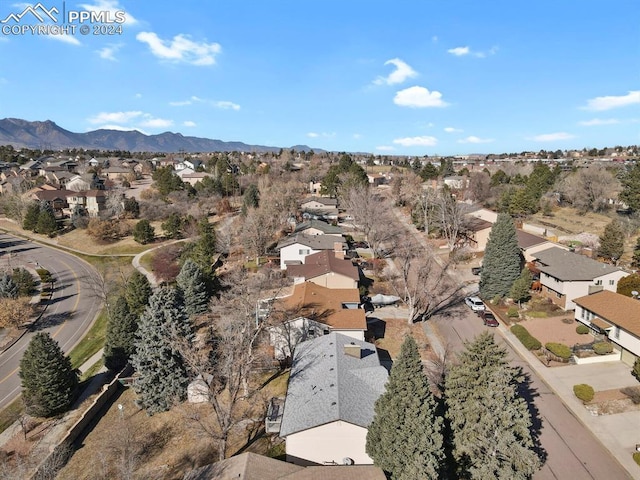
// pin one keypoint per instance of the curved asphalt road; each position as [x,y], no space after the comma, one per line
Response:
[74,305]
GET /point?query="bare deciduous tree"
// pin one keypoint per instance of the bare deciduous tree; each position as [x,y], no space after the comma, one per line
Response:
[479,187]
[589,189]
[14,312]
[450,217]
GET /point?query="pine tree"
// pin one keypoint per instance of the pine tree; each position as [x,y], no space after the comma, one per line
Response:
[251,197]
[635,260]
[46,223]
[192,283]
[162,380]
[48,380]
[405,438]
[143,232]
[612,242]
[120,337]
[502,259]
[628,284]
[8,288]
[489,420]
[31,216]
[137,292]
[521,288]
[630,193]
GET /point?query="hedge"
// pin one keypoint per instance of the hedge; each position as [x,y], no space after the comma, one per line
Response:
[559,350]
[530,342]
[584,392]
[602,348]
[582,329]
[636,457]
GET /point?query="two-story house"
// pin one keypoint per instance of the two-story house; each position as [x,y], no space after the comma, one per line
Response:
[565,276]
[294,248]
[328,269]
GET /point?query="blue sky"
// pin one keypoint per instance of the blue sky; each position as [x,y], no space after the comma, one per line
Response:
[403,77]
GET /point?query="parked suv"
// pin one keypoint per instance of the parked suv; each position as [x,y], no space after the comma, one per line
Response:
[475,304]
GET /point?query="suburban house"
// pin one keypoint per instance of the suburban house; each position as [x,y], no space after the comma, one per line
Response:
[252,466]
[57,199]
[616,316]
[294,248]
[84,182]
[195,177]
[117,173]
[456,182]
[327,269]
[476,233]
[376,179]
[320,207]
[565,276]
[334,383]
[313,311]
[531,244]
[318,227]
[483,213]
[91,202]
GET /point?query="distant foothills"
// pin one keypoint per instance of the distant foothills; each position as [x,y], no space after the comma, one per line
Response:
[48,135]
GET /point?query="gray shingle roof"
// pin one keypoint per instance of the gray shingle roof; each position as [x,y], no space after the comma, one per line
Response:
[324,227]
[566,266]
[315,242]
[327,385]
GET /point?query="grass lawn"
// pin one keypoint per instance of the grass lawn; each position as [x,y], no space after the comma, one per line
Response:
[11,413]
[92,341]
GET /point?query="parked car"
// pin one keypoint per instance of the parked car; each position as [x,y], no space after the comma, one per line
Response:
[475,304]
[489,319]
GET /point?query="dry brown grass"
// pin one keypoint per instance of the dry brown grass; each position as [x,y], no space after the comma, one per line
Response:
[395,332]
[572,222]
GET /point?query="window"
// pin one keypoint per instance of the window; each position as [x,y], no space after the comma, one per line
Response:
[616,332]
[312,332]
[558,294]
[304,251]
[598,282]
[612,282]
[583,313]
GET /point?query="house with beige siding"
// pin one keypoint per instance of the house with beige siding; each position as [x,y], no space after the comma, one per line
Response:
[616,316]
[334,383]
[565,276]
[294,248]
[328,269]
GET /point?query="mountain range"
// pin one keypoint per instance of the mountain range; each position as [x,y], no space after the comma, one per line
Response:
[47,135]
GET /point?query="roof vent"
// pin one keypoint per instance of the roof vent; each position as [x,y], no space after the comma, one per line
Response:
[347,461]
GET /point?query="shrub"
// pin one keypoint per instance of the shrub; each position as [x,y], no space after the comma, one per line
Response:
[636,457]
[512,312]
[633,393]
[529,342]
[602,348]
[45,275]
[635,371]
[582,329]
[584,392]
[559,350]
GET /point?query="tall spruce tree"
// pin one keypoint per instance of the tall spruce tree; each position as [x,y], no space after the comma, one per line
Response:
[502,259]
[31,216]
[489,420]
[162,380]
[612,242]
[8,288]
[137,292]
[46,223]
[193,285]
[405,438]
[119,342]
[48,380]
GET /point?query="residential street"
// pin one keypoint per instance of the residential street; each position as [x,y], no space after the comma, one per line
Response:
[69,313]
[568,447]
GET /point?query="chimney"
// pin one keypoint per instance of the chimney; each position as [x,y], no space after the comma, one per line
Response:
[352,349]
[337,250]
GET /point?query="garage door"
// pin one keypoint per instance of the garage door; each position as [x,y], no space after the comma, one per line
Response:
[627,357]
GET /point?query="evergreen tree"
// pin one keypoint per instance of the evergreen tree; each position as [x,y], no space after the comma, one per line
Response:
[131,207]
[192,283]
[612,242]
[628,284]
[8,288]
[502,259]
[46,223]
[162,380]
[405,438]
[251,197]
[31,216]
[24,280]
[120,337]
[143,232]
[137,292]
[521,288]
[630,193]
[490,422]
[635,371]
[48,380]
[172,226]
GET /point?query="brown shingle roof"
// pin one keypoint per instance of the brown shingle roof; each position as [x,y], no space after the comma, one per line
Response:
[528,240]
[325,305]
[617,309]
[322,263]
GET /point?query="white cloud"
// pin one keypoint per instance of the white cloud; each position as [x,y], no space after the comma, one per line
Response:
[357,136]
[434,39]
[115,117]
[313,135]
[225,105]
[399,75]
[323,134]
[609,102]
[551,137]
[138,95]
[453,130]
[189,123]
[180,103]
[462,51]
[459,51]
[156,123]
[112,7]
[598,121]
[474,139]
[108,52]
[419,97]
[70,39]
[424,141]
[385,148]
[181,49]
[119,128]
